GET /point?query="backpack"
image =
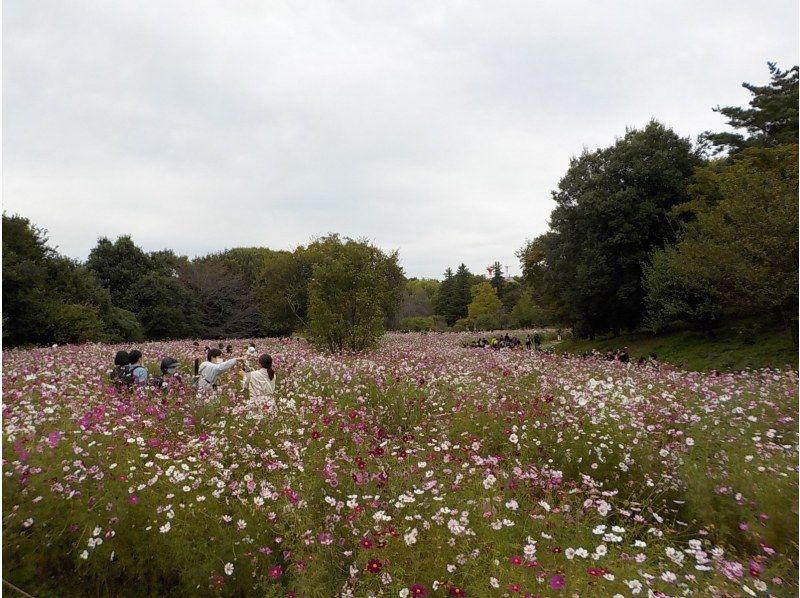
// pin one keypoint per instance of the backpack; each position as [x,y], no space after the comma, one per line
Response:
[122,375]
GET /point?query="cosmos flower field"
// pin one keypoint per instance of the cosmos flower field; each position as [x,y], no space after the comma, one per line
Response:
[421,469]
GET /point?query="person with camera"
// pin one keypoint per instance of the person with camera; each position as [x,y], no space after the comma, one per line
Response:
[210,369]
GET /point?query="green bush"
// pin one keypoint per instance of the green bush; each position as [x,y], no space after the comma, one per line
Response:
[77,323]
[526,313]
[463,325]
[423,323]
[123,325]
[487,322]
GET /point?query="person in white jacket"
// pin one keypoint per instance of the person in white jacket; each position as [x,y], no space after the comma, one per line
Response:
[261,384]
[210,370]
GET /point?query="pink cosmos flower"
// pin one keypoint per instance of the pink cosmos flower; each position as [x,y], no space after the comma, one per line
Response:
[275,572]
[54,438]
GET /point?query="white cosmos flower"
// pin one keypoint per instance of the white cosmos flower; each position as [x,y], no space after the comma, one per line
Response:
[411,537]
[228,568]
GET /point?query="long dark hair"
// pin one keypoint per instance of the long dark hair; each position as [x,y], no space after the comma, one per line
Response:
[265,361]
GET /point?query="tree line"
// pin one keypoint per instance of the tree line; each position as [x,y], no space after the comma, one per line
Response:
[656,233]
[341,292]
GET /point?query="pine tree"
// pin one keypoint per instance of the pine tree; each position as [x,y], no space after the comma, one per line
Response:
[771,119]
[498,282]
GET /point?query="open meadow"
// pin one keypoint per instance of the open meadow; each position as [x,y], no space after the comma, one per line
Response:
[421,469]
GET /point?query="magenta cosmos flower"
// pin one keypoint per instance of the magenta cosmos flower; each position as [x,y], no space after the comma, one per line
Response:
[418,590]
[557,582]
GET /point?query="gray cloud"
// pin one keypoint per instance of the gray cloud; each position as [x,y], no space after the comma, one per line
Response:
[435,128]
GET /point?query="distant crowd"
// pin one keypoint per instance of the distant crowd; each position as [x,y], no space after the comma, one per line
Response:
[620,355]
[532,342]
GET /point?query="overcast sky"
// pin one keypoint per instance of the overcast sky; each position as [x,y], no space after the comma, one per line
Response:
[435,128]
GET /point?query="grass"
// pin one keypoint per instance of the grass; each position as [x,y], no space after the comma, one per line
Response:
[740,346]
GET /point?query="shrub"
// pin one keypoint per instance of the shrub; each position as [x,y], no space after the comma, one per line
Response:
[77,323]
[487,322]
[123,325]
[423,323]
[463,325]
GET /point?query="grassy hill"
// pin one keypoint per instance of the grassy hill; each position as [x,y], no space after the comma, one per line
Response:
[734,348]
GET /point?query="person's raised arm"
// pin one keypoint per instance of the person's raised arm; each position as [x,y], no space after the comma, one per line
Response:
[226,365]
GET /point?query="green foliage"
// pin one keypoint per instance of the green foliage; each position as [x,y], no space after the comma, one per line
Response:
[396,284]
[166,262]
[771,119]
[544,292]
[429,286]
[166,308]
[118,266]
[486,322]
[454,296]
[513,289]
[249,262]
[463,325]
[497,280]
[423,324]
[25,298]
[613,212]
[77,323]
[352,283]
[238,293]
[282,291]
[123,325]
[675,300]
[740,252]
[47,297]
[526,313]
[485,301]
